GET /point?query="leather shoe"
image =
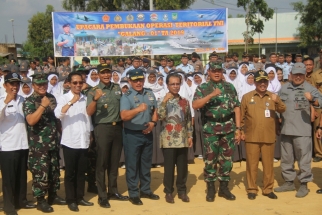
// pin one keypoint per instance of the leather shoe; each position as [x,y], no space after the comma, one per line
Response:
[117,196]
[169,198]
[184,197]
[104,203]
[26,205]
[136,201]
[11,213]
[43,206]
[251,196]
[56,200]
[149,196]
[85,203]
[317,159]
[319,191]
[73,207]
[271,195]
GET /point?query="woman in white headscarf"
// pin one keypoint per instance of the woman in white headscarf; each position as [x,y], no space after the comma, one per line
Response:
[242,70]
[249,85]
[197,79]
[92,78]
[54,87]
[25,88]
[116,77]
[232,77]
[151,82]
[274,85]
[185,90]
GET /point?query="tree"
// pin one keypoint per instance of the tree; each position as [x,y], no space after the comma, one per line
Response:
[124,5]
[240,15]
[252,8]
[230,16]
[40,34]
[310,30]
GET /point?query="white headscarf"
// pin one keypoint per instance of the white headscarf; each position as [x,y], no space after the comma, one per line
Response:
[89,81]
[119,74]
[124,83]
[54,90]
[157,89]
[194,84]
[246,87]
[274,86]
[236,82]
[22,93]
[185,90]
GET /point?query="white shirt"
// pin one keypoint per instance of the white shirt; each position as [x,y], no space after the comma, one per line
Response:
[76,124]
[186,68]
[30,73]
[2,89]
[94,52]
[13,133]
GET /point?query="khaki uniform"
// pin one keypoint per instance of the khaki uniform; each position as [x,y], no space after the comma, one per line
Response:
[260,137]
[316,81]
[196,63]
[258,66]
[118,68]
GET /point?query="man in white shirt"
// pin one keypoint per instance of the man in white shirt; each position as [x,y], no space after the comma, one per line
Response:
[5,69]
[32,69]
[94,52]
[14,147]
[164,69]
[76,129]
[184,66]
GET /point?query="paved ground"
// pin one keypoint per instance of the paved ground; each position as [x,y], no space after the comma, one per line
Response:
[286,203]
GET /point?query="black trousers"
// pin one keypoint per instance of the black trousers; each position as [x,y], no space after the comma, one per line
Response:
[14,178]
[109,143]
[172,157]
[75,169]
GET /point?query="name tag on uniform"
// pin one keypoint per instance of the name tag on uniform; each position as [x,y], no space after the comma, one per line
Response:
[151,98]
[267,114]
[117,92]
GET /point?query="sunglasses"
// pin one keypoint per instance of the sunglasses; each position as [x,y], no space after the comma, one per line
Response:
[174,84]
[77,82]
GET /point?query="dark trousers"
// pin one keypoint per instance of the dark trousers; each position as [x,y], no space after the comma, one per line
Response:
[14,178]
[172,157]
[75,169]
[109,145]
[138,160]
[67,51]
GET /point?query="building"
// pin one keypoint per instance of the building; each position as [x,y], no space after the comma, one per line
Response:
[9,50]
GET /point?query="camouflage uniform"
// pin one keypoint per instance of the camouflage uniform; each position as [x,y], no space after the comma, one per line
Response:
[43,158]
[218,129]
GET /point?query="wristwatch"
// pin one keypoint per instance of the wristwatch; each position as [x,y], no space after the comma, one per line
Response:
[154,122]
[70,103]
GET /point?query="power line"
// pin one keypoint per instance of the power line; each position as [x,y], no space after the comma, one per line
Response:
[223,6]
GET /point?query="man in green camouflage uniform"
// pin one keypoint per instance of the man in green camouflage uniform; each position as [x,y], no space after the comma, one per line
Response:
[219,103]
[43,143]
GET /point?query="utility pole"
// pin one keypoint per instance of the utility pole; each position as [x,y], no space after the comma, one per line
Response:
[259,39]
[247,27]
[275,30]
[13,31]
[151,9]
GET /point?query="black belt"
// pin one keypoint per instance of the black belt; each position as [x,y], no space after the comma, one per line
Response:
[223,119]
[71,47]
[113,123]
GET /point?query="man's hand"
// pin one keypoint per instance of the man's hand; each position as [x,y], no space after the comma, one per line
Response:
[75,99]
[66,41]
[237,136]
[142,107]
[150,126]
[274,98]
[242,136]
[216,92]
[318,133]
[98,94]
[45,101]
[167,97]
[9,98]
[190,142]
[308,96]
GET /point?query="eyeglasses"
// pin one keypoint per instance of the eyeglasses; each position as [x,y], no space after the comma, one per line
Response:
[174,84]
[138,80]
[77,82]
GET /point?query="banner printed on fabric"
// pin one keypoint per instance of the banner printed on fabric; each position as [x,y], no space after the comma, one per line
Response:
[140,32]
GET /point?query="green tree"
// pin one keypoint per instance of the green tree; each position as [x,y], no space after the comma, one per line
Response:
[124,5]
[310,17]
[240,15]
[254,8]
[230,16]
[40,34]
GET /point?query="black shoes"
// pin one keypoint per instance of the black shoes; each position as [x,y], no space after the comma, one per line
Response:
[271,195]
[103,203]
[11,213]
[210,191]
[136,201]
[319,191]
[317,159]
[251,196]
[73,207]
[117,196]
[43,206]
[149,196]
[25,205]
[54,199]
[85,203]
[224,191]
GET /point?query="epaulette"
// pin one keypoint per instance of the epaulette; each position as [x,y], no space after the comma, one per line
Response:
[94,88]
[128,92]
[147,89]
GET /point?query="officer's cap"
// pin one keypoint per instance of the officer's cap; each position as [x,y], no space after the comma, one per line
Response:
[6,68]
[25,80]
[103,67]
[86,59]
[245,55]
[298,55]
[136,58]
[213,54]
[299,68]
[12,77]
[184,55]
[136,74]
[260,75]
[66,25]
[215,66]
[14,69]
[24,66]
[39,78]
[235,54]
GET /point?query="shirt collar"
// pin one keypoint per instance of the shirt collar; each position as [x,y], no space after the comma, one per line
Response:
[255,93]
[71,95]
[103,86]
[143,92]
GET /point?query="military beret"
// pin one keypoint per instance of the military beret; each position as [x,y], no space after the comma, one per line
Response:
[136,74]
[12,77]
[260,75]
[40,78]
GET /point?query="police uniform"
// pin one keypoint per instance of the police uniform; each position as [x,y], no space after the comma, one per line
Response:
[120,69]
[138,146]
[258,122]
[43,157]
[68,48]
[296,133]
[196,63]
[258,65]
[108,135]
[218,128]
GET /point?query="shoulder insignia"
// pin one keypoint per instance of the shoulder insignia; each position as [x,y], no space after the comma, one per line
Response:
[128,92]
[94,88]
[148,89]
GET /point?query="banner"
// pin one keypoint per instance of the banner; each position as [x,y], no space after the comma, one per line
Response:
[126,33]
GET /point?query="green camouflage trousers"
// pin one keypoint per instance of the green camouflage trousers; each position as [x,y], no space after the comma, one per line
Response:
[219,150]
[44,167]
[91,164]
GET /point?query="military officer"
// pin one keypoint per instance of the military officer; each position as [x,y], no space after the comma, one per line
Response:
[195,61]
[86,63]
[146,64]
[136,64]
[235,58]
[213,57]
[219,102]
[163,68]
[139,113]
[184,66]
[103,103]
[43,158]
[263,59]
[67,41]
[170,64]
[120,65]
[258,65]
[296,140]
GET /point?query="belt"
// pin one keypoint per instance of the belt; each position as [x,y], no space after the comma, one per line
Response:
[70,47]
[223,119]
[113,123]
